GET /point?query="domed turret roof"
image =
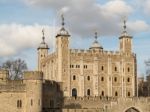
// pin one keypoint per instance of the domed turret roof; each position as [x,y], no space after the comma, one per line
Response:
[95,44]
[125,33]
[63,31]
[43,44]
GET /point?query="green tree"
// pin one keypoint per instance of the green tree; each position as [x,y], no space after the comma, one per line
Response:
[16,68]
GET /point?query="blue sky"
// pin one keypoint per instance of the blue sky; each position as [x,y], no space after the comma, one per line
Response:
[21,22]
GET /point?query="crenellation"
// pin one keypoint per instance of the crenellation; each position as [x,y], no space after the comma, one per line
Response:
[13,88]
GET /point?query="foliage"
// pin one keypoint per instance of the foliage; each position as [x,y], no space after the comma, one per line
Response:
[147,63]
[15,68]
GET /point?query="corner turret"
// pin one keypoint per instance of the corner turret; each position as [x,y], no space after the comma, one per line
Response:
[62,51]
[125,41]
[42,51]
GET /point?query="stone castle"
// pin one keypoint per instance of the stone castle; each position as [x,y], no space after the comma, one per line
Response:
[76,80]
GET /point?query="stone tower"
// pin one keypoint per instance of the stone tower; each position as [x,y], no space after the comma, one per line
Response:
[125,41]
[62,54]
[42,51]
[34,88]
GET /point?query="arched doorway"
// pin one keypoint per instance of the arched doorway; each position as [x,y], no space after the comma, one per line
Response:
[74,92]
[132,109]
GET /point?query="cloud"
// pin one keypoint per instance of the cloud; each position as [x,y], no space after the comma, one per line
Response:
[138,25]
[86,16]
[17,37]
[146,7]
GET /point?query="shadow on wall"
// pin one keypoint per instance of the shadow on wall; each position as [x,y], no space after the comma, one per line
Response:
[52,96]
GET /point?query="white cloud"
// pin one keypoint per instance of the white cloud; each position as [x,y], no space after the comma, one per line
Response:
[86,16]
[15,38]
[117,7]
[138,26]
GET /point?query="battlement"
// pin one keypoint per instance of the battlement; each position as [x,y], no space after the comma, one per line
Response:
[93,52]
[4,74]
[90,98]
[33,75]
[12,88]
[135,99]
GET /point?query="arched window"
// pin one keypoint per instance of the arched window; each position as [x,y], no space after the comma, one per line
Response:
[102,78]
[115,68]
[19,103]
[102,93]
[88,92]
[31,102]
[88,77]
[128,69]
[102,68]
[74,92]
[128,93]
[74,77]
[115,79]
[128,79]
[116,93]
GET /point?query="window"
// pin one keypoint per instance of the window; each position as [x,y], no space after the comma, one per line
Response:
[102,68]
[74,77]
[115,79]
[128,93]
[128,69]
[128,80]
[102,78]
[74,92]
[88,78]
[39,102]
[116,93]
[115,68]
[71,66]
[19,103]
[85,66]
[31,102]
[88,92]
[102,93]
[77,66]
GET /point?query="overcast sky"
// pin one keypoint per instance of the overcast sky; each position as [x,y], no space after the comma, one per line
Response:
[21,22]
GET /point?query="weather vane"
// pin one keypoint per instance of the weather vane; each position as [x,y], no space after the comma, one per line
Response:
[62,17]
[43,35]
[96,35]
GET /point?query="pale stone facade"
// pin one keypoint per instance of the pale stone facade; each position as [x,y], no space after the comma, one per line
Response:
[91,72]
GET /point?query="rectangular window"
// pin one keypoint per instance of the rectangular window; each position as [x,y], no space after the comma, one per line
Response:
[85,66]
[31,102]
[19,103]
[39,102]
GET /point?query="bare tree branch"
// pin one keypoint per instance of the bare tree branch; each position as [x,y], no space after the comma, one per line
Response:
[15,68]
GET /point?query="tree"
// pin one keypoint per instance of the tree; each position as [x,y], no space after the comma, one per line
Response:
[16,68]
[147,63]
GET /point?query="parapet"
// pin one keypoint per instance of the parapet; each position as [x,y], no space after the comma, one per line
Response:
[33,75]
[4,74]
